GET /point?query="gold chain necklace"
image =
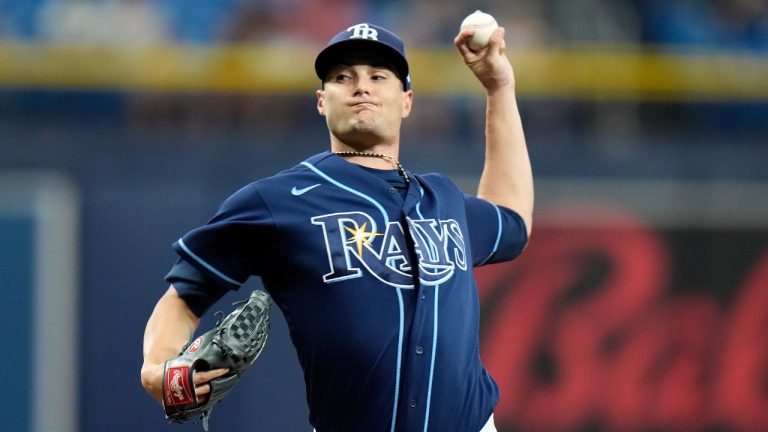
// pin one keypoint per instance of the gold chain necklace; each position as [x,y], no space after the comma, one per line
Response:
[400,168]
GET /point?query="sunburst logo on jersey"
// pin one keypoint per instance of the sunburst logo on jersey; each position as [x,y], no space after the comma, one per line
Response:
[360,237]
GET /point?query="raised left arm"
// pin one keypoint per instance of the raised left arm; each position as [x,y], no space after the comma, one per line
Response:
[507,178]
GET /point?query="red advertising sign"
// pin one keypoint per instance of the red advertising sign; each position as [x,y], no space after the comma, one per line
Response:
[626,327]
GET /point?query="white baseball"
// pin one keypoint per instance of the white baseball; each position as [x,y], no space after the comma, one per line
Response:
[484,25]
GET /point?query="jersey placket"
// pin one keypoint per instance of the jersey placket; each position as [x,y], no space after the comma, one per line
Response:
[419,351]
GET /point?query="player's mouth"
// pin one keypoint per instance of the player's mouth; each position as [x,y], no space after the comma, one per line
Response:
[363,105]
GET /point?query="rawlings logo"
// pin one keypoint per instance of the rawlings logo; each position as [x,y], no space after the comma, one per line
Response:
[177,386]
[195,345]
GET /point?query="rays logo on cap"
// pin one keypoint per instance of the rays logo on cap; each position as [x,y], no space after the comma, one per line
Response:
[368,38]
[363,31]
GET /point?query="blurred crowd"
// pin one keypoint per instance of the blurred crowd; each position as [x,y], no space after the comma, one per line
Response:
[695,24]
[731,26]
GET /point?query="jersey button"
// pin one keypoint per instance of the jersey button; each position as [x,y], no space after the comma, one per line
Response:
[419,350]
[392,190]
[413,403]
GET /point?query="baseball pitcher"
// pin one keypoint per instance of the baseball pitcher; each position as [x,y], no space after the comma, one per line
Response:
[370,263]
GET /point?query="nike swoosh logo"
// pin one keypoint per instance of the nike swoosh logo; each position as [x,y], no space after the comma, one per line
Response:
[296,192]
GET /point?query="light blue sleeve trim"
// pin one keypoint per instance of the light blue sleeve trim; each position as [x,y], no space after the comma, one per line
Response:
[348,189]
[208,266]
[498,235]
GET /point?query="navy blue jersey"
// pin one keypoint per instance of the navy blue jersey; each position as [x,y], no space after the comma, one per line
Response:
[376,287]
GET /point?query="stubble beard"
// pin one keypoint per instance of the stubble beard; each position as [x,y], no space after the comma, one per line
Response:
[364,121]
[362,128]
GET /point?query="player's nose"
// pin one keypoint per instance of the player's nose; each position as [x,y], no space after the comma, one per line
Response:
[362,86]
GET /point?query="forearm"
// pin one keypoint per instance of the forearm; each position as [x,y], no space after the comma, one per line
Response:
[507,179]
[170,326]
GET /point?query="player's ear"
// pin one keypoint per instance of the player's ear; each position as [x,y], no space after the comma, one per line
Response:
[407,104]
[320,95]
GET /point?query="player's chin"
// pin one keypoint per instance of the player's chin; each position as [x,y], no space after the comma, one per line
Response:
[359,136]
[362,124]
[365,117]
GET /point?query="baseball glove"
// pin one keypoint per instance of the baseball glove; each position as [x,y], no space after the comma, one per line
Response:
[235,343]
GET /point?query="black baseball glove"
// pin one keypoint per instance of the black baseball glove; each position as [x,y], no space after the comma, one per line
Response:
[235,343]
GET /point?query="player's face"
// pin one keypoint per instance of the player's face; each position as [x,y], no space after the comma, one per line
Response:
[363,101]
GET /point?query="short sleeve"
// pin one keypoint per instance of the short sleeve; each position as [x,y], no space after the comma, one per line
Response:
[496,233]
[192,285]
[236,243]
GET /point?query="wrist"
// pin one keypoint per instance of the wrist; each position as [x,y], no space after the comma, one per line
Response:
[152,379]
[501,92]
[501,88]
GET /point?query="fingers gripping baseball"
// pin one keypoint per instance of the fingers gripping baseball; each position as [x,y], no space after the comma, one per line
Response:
[489,64]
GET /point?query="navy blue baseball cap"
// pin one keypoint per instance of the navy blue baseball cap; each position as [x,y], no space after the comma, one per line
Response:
[366,38]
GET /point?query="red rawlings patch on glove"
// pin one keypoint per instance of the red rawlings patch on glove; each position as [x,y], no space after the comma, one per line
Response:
[178,390]
[195,345]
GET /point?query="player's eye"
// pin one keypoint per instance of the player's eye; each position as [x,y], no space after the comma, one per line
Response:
[343,77]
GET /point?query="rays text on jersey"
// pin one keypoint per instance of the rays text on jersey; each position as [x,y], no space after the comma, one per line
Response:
[354,246]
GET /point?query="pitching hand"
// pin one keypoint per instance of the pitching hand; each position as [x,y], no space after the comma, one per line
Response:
[490,64]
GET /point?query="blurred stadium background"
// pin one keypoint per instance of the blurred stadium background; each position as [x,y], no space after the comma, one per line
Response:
[640,304]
